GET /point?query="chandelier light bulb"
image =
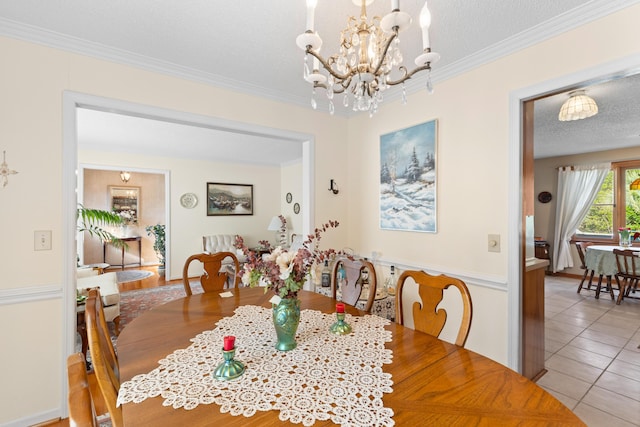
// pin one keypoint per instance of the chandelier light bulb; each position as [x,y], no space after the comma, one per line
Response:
[311,11]
[425,23]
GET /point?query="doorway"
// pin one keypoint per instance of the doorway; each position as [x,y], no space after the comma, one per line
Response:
[73,101]
[521,152]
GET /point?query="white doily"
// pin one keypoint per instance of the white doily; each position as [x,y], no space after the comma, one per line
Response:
[326,377]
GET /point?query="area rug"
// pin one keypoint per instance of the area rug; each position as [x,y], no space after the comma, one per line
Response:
[132,275]
[134,303]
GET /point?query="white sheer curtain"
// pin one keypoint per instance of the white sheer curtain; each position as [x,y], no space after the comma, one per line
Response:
[577,189]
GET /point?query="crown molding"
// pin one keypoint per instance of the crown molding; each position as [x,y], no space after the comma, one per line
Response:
[562,23]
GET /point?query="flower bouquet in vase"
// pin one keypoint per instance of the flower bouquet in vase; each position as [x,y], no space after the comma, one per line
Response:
[284,272]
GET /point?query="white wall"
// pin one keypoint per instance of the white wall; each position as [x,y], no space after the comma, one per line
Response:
[473,201]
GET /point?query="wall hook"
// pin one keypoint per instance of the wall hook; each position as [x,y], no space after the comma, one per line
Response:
[333,187]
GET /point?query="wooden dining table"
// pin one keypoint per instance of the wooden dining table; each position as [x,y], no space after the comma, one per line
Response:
[434,383]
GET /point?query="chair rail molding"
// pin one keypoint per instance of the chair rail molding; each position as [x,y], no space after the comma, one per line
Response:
[29,294]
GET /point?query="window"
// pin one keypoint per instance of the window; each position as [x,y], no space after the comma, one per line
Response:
[615,205]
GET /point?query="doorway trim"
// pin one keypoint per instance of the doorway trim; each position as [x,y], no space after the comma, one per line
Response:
[71,102]
[516,258]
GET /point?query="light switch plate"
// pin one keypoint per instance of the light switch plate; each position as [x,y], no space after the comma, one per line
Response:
[494,243]
[42,240]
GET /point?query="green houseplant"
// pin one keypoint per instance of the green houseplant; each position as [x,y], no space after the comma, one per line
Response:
[94,220]
[157,231]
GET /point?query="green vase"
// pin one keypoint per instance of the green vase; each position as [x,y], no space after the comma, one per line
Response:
[286,317]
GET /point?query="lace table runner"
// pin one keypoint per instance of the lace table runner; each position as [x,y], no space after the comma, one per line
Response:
[327,377]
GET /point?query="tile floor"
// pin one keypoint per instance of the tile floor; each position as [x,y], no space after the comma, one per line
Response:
[592,353]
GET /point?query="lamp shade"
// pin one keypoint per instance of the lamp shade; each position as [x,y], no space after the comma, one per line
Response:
[275,224]
[578,106]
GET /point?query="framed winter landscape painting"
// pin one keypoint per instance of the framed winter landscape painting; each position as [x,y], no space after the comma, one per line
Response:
[408,178]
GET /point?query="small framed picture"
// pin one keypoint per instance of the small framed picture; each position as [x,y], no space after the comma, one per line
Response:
[296,208]
[229,199]
[289,197]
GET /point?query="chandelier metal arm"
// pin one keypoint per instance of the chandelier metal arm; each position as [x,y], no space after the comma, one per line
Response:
[326,65]
[407,75]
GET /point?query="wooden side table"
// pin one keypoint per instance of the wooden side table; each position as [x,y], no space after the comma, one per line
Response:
[126,240]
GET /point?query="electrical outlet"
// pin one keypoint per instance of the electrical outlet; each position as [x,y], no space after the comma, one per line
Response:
[494,243]
[42,240]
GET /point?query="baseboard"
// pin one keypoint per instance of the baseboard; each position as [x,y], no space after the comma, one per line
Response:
[40,420]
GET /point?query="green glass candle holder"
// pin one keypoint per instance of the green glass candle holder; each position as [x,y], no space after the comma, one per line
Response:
[340,327]
[230,369]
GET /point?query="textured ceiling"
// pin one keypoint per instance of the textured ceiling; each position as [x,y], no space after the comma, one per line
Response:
[249,46]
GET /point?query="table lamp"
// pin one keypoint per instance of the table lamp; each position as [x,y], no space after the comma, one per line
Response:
[277,226]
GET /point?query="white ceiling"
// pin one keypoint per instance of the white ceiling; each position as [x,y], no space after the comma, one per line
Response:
[249,46]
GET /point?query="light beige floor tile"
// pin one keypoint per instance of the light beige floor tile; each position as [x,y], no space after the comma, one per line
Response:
[612,330]
[594,417]
[581,312]
[613,403]
[596,346]
[625,369]
[604,338]
[569,320]
[633,344]
[564,327]
[630,356]
[584,356]
[547,354]
[622,385]
[618,321]
[566,400]
[573,368]
[565,384]
[553,345]
[556,335]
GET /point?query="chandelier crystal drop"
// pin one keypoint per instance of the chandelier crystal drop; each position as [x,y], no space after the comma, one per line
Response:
[368,55]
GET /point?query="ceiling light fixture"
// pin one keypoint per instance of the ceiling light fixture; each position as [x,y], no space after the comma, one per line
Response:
[578,106]
[125,176]
[369,52]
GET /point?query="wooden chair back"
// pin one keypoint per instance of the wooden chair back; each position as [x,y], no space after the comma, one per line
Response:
[103,358]
[82,412]
[215,271]
[352,288]
[581,247]
[628,264]
[431,291]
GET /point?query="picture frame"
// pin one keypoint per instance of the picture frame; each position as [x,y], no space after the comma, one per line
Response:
[229,199]
[408,179]
[125,201]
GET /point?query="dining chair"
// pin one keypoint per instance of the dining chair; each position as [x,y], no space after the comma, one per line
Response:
[628,273]
[216,273]
[581,247]
[103,358]
[351,288]
[82,412]
[430,293]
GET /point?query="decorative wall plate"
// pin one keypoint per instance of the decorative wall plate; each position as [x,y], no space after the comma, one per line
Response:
[289,197]
[189,200]
[544,197]
[296,208]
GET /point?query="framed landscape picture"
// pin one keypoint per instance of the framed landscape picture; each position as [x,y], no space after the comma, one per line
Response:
[229,199]
[408,178]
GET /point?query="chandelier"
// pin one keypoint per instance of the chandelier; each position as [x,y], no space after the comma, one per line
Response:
[578,106]
[369,53]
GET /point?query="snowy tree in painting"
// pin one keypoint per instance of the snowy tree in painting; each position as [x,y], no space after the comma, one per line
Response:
[407,184]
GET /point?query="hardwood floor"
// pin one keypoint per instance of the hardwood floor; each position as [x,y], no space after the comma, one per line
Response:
[150,282]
